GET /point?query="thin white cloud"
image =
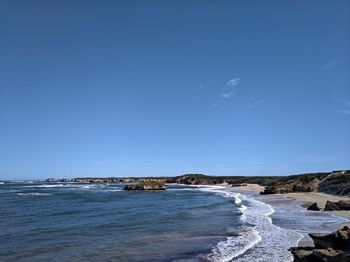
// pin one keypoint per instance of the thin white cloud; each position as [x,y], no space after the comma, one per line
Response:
[346,102]
[227,95]
[329,65]
[345,106]
[233,82]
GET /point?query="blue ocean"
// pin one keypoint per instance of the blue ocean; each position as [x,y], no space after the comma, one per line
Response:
[42,221]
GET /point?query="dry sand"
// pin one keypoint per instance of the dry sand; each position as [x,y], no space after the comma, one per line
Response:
[251,187]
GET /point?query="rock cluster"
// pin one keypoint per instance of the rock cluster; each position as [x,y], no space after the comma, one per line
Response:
[336,206]
[334,247]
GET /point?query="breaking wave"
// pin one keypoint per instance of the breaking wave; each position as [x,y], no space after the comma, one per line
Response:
[259,239]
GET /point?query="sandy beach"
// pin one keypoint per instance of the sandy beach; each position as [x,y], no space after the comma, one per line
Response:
[321,199]
[307,198]
[251,187]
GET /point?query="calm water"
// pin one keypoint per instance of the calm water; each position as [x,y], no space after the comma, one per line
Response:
[101,222]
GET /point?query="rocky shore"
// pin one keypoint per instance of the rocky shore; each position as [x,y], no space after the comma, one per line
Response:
[334,247]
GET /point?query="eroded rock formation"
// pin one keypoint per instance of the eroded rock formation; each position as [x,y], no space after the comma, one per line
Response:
[334,247]
[336,206]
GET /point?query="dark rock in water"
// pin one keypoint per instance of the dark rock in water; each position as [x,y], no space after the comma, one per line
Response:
[336,206]
[334,247]
[134,187]
[314,207]
[149,185]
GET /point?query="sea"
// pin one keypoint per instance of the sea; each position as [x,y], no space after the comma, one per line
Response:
[42,221]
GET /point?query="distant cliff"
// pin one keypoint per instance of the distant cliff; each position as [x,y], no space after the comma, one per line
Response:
[336,182]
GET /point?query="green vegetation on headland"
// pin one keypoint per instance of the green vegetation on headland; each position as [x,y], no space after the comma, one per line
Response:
[335,182]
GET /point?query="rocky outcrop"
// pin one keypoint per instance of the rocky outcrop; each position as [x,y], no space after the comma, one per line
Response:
[336,206]
[313,207]
[334,247]
[150,185]
[299,183]
[309,254]
[134,187]
[337,240]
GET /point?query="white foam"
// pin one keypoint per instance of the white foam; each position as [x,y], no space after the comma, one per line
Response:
[232,247]
[34,194]
[55,185]
[1,183]
[270,242]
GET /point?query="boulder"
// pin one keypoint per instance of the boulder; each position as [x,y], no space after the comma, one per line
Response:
[309,254]
[313,207]
[336,206]
[336,240]
[334,247]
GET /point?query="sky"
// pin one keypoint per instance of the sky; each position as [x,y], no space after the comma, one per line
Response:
[163,88]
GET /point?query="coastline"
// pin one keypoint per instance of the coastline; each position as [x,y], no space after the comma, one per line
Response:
[321,199]
[257,232]
[306,198]
[302,200]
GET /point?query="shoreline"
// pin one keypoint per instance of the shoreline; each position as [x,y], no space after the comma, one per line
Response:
[306,199]
[302,200]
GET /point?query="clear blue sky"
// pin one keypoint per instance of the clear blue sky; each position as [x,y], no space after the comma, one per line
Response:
[153,88]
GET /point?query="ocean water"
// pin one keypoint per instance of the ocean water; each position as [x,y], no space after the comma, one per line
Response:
[100,222]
